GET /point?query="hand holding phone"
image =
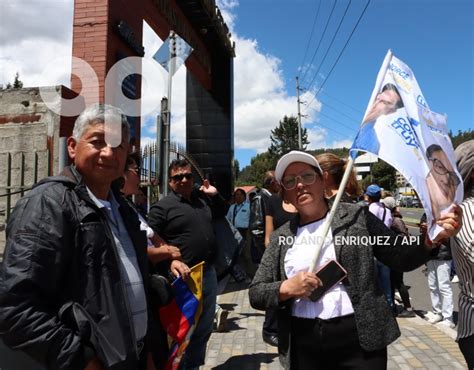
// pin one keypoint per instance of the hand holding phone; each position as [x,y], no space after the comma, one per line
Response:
[299,286]
[330,274]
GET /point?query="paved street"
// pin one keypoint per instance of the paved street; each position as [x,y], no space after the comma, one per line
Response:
[421,346]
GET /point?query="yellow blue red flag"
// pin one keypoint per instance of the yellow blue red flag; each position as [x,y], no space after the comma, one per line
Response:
[180,317]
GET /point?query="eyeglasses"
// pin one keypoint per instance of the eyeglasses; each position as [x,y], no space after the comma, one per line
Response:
[306,178]
[440,169]
[181,176]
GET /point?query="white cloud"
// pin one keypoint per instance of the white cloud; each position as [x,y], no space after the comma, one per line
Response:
[342,143]
[317,137]
[44,20]
[159,89]
[32,35]
[261,99]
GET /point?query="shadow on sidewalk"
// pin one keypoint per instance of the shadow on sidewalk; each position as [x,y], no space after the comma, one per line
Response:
[234,286]
[252,362]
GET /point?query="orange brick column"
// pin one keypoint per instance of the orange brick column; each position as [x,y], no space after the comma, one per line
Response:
[89,42]
[97,41]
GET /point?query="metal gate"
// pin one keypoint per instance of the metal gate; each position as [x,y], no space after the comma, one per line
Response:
[18,172]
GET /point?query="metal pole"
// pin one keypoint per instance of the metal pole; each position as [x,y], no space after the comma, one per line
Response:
[167,123]
[163,150]
[63,154]
[300,144]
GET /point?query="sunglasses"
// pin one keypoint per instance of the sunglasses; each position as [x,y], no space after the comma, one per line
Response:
[181,176]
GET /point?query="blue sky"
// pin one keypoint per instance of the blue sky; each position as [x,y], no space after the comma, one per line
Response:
[434,37]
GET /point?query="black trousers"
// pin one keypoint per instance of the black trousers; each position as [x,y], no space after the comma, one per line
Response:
[270,325]
[466,345]
[396,281]
[331,344]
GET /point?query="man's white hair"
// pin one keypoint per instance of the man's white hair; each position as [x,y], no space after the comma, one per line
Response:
[100,113]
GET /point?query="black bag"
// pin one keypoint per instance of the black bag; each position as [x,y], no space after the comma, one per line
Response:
[257,227]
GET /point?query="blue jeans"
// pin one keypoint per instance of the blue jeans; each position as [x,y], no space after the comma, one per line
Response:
[383,275]
[196,351]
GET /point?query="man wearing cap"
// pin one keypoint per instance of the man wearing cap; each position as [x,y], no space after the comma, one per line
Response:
[374,193]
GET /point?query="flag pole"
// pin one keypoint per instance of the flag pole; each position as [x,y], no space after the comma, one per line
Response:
[332,212]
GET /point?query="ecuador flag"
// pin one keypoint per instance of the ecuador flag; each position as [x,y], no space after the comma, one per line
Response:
[180,317]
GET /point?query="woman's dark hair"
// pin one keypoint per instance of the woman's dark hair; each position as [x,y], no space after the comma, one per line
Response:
[336,167]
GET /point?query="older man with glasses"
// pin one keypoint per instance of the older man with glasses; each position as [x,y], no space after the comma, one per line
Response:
[184,219]
[74,279]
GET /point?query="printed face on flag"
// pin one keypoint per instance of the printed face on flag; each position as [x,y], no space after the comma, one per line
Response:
[386,102]
[400,129]
[441,181]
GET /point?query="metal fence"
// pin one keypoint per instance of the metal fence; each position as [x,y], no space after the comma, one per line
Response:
[19,171]
[150,165]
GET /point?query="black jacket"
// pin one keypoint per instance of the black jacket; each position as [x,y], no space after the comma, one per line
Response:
[62,299]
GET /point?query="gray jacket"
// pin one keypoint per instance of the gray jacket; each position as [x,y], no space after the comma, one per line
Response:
[375,324]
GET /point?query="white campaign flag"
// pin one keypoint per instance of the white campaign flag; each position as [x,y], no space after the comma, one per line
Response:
[400,128]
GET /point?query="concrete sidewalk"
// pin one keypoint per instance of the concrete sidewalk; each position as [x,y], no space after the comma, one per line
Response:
[421,346]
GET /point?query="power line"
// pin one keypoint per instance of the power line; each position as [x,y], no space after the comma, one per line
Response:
[340,54]
[341,123]
[311,35]
[319,43]
[325,104]
[330,45]
[319,124]
[341,102]
[340,112]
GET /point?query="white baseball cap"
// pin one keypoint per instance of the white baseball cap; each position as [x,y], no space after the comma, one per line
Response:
[292,157]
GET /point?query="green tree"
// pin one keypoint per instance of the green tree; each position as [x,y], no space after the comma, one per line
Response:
[384,175]
[461,137]
[235,168]
[253,174]
[17,83]
[284,138]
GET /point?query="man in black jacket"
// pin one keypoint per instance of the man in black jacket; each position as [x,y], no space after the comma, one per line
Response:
[72,284]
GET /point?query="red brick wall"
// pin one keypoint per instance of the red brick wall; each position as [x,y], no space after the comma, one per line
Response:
[96,41]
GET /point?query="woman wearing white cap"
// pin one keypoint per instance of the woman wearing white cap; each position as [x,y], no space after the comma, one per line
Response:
[350,325]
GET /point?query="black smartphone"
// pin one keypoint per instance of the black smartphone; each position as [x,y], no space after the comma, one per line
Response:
[330,274]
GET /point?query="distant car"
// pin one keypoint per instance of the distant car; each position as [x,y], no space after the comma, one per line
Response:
[416,203]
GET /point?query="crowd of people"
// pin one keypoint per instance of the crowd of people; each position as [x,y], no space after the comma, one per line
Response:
[79,287]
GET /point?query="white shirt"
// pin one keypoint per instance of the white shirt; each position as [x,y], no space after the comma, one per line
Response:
[381,212]
[336,301]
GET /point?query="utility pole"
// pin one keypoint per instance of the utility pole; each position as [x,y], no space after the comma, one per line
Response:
[166,123]
[300,144]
